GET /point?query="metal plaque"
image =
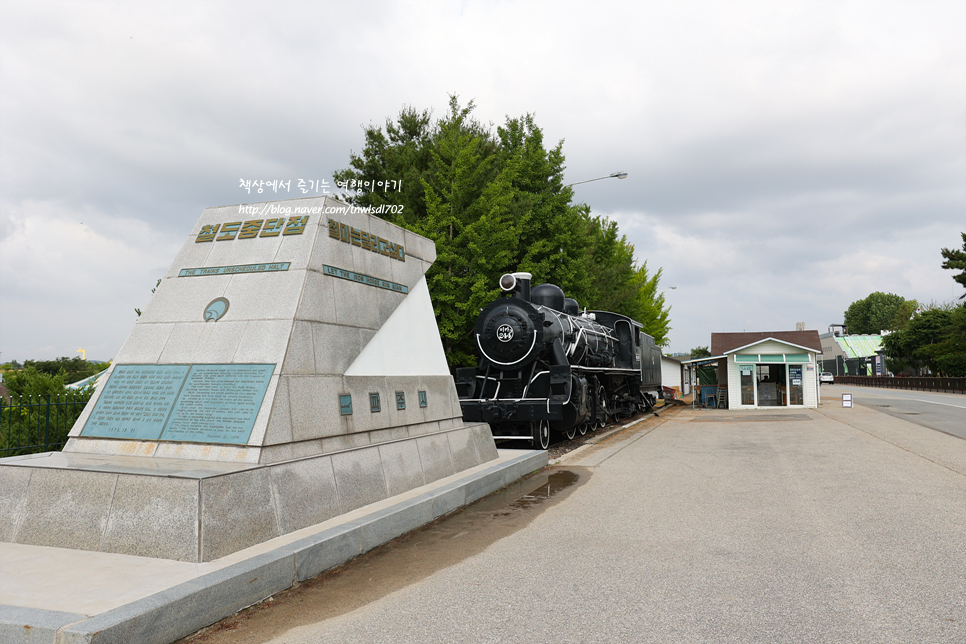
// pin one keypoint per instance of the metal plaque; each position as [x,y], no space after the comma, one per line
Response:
[364,279]
[233,270]
[206,403]
[219,403]
[345,404]
[136,402]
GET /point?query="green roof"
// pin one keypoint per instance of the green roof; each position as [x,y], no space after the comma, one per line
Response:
[860,346]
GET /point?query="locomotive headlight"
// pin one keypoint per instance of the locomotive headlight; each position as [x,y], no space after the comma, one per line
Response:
[508,282]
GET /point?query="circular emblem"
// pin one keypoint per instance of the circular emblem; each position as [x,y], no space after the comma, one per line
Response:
[504,333]
[216,309]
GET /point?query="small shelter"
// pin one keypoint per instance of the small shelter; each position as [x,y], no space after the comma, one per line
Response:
[760,370]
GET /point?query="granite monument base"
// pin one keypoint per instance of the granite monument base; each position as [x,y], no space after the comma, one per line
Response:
[191,510]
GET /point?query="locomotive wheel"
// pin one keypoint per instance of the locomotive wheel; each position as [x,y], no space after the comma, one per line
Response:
[541,434]
[583,428]
[571,433]
[601,407]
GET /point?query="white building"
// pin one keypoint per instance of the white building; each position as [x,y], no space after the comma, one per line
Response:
[765,369]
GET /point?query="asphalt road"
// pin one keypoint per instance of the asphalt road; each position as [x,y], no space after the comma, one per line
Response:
[832,526]
[940,411]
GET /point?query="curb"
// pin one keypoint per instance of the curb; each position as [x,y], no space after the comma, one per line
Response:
[183,609]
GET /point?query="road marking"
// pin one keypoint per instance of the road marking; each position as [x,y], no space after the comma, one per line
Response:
[939,403]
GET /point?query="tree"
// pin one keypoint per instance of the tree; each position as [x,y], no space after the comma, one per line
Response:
[873,314]
[71,369]
[496,203]
[934,340]
[700,352]
[31,382]
[956,259]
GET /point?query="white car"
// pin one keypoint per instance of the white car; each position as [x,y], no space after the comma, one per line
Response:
[826,377]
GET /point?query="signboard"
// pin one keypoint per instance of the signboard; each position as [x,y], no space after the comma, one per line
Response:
[218,403]
[232,270]
[846,400]
[363,279]
[202,403]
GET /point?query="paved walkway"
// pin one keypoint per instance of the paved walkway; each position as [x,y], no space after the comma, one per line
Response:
[57,594]
[836,525]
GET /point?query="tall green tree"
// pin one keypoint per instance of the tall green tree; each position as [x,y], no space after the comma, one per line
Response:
[873,314]
[956,260]
[925,341]
[495,203]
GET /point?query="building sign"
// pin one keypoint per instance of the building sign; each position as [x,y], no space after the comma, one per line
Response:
[201,403]
[366,241]
[233,270]
[252,229]
[364,279]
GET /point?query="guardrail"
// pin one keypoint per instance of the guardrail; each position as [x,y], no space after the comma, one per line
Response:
[38,424]
[950,385]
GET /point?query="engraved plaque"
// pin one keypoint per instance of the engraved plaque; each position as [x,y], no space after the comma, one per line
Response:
[202,403]
[218,403]
[136,401]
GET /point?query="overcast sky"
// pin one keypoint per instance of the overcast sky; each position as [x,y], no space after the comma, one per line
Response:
[784,158]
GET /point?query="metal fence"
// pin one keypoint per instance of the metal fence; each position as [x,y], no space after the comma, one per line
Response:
[951,385]
[38,424]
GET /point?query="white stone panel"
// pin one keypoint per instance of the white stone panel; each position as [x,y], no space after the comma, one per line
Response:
[184,343]
[184,299]
[336,347]
[190,256]
[420,247]
[314,404]
[300,356]
[260,427]
[409,272]
[264,296]
[318,298]
[332,252]
[407,344]
[217,344]
[362,305]
[263,342]
[145,344]
[280,423]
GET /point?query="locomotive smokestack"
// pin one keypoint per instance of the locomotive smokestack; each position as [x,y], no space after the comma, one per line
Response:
[518,283]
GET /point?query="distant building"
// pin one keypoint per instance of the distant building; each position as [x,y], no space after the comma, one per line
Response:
[852,355]
[674,375]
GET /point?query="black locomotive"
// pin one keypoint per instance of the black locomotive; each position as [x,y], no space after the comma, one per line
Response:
[546,367]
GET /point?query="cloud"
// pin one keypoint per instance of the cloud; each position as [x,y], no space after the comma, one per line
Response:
[74,276]
[784,159]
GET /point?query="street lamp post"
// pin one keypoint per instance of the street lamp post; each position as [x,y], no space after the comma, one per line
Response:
[615,175]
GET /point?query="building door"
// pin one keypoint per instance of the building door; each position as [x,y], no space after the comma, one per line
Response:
[747,384]
[796,394]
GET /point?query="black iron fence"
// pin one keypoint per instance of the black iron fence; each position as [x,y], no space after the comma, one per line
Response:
[38,424]
[952,385]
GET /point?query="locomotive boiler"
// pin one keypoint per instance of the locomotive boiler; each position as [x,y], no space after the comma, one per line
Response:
[546,367]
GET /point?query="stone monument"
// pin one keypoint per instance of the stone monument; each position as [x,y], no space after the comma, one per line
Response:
[287,370]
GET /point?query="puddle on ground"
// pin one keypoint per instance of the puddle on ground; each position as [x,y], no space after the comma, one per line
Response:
[398,564]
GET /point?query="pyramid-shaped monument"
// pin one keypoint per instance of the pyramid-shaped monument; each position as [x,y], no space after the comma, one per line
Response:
[288,369]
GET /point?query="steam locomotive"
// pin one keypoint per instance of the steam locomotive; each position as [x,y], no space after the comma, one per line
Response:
[546,367]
